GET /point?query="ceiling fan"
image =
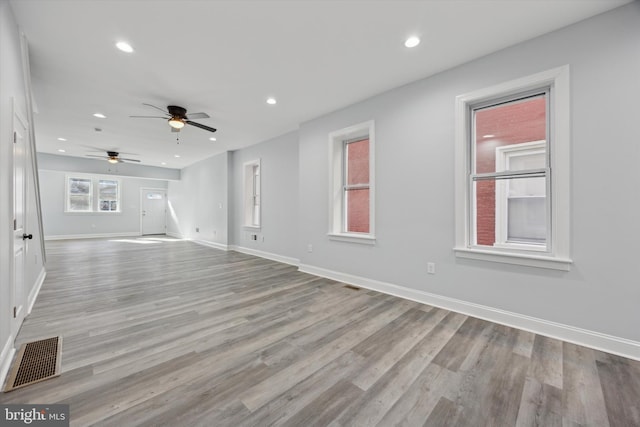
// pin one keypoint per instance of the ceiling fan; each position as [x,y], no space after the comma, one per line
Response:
[177,118]
[114,157]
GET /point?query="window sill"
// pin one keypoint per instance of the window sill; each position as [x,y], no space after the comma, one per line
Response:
[93,212]
[528,260]
[366,239]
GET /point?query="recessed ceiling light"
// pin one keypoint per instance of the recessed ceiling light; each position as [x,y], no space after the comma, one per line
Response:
[177,156]
[100,116]
[61,139]
[488,136]
[412,41]
[62,151]
[271,101]
[212,139]
[124,46]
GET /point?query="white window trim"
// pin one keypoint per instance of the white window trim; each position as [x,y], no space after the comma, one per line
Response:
[248,194]
[94,195]
[336,171]
[558,256]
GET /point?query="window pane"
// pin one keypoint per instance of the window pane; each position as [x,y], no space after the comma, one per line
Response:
[357,159]
[108,190]
[357,207]
[510,210]
[79,186]
[79,203]
[108,195]
[510,123]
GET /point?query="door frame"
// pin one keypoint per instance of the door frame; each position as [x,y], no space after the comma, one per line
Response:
[166,202]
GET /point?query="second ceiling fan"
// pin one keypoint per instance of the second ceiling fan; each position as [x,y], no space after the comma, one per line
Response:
[177,118]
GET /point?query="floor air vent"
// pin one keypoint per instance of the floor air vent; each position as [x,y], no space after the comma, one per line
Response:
[36,361]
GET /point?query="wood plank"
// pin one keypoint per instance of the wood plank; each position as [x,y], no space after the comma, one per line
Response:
[167,332]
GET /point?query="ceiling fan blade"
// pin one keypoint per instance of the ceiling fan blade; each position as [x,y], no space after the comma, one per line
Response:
[157,108]
[100,157]
[198,116]
[128,160]
[148,117]
[200,125]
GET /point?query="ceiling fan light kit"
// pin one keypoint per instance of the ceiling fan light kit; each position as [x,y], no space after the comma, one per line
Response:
[176,123]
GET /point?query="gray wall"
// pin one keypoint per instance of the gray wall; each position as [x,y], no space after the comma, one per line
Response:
[279,197]
[97,166]
[59,224]
[200,200]
[415,190]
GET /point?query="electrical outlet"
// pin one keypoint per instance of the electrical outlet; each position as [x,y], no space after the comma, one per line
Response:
[431,268]
[309,247]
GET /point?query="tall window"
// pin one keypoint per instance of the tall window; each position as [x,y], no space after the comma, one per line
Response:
[351,173]
[356,186]
[87,193]
[79,192]
[512,172]
[252,194]
[107,195]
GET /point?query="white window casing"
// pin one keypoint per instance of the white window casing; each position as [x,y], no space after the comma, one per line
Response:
[338,187]
[102,194]
[252,194]
[556,253]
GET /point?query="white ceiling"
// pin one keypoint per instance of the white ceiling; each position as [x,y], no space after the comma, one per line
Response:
[226,57]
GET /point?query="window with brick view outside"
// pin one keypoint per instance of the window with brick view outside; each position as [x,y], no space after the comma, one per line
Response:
[357,186]
[512,123]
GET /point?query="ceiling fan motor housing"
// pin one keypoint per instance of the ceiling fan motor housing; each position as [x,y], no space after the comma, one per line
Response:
[176,111]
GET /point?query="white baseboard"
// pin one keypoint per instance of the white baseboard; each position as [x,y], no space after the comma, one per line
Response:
[92,236]
[268,255]
[6,356]
[210,244]
[596,340]
[176,235]
[33,295]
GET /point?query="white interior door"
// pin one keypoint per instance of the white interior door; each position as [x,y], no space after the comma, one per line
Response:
[19,233]
[154,211]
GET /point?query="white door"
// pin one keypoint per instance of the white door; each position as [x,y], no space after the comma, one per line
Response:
[154,211]
[19,234]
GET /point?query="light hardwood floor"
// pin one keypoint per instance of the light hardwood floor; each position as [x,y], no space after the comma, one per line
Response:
[167,332]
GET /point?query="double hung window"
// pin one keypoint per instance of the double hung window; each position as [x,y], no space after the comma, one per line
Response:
[85,193]
[512,172]
[252,197]
[351,198]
